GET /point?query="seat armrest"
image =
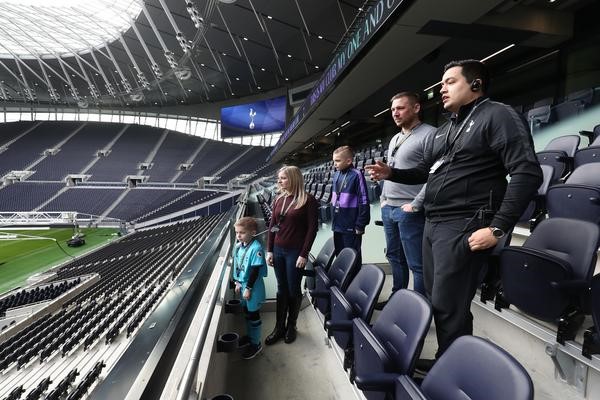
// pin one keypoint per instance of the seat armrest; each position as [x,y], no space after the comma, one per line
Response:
[407,389]
[321,294]
[575,286]
[379,381]
[339,325]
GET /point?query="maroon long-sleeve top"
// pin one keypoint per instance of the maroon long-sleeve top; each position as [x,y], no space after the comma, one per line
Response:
[298,229]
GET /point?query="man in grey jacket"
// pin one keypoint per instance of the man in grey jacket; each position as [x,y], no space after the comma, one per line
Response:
[401,204]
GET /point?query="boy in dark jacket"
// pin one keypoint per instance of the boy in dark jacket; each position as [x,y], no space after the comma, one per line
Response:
[349,201]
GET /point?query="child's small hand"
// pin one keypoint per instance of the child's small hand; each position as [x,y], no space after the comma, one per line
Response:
[238,287]
[247,294]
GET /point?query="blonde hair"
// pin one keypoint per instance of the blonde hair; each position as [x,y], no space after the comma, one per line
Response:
[296,183]
[344,151]
[247,223]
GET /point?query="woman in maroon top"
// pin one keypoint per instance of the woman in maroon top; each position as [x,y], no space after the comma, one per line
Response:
[292,231]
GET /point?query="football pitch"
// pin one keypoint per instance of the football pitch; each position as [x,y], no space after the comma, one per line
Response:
[20,259]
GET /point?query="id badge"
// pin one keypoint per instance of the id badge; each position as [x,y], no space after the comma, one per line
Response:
[336,209]
[436,165]
[275,229]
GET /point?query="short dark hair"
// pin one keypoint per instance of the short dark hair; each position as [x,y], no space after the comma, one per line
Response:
[412,96]
[472,70]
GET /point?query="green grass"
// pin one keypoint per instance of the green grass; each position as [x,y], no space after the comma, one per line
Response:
[20,259]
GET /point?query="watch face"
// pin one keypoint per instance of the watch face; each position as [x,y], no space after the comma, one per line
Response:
[498,233]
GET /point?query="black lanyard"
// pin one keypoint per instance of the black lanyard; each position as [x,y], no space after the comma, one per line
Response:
[339,188]
[404,138]
[450,146]
[238,267]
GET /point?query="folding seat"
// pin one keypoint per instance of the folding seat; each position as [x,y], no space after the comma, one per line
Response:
[566,110]
[325,208]
[590,154]
[559,153]
[536,210]
[592,135]
[579,197]
[472,368]
[591,337]
[325,257]
[358,301]
[391,347]
[550,275]
[539,117]
[341,272]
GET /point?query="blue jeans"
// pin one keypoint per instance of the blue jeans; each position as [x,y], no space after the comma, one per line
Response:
[404,243]
[288,276]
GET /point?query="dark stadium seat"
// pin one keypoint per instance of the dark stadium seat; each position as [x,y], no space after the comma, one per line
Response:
[539,117]
[591,337]
[340,274]
[472,368]
[559,153]
[536,210]
[586,155]
[592,135]
[392,345]
[358,301]
[549,276]
[578,197]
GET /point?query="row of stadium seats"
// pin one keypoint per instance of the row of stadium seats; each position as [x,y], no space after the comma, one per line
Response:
[381,361]
[36,295]
[133,277]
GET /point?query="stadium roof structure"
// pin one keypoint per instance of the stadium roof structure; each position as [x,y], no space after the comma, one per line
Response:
[123,53]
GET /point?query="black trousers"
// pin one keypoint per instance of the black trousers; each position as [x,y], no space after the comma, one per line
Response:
[451,275]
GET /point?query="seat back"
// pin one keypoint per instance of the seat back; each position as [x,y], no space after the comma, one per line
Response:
[527,277]
[322,260]
[557,252]
[395,341]
[571,240]
[579,198]
[326,255]
[558,160]
[566,110]
[588,155]
[357,302]
[342,270]
[473,368]
[566,143]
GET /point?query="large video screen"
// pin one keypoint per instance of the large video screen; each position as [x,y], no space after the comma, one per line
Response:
[264,116]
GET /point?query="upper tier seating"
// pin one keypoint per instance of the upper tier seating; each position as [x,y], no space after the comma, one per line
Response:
[127,152]
[29,148]
[76,153]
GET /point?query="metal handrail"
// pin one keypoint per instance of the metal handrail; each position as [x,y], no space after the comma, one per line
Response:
[189,373]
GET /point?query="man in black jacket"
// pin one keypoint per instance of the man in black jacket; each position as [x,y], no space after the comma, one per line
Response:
[469,205]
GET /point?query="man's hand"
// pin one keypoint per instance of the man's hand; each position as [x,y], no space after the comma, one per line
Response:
[379,171]
[269,259]
[482,239]
[301,262]
[408,208]
[238,286]
[247,294]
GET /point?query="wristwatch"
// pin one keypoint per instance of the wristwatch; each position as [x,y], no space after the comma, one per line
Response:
[497,232]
